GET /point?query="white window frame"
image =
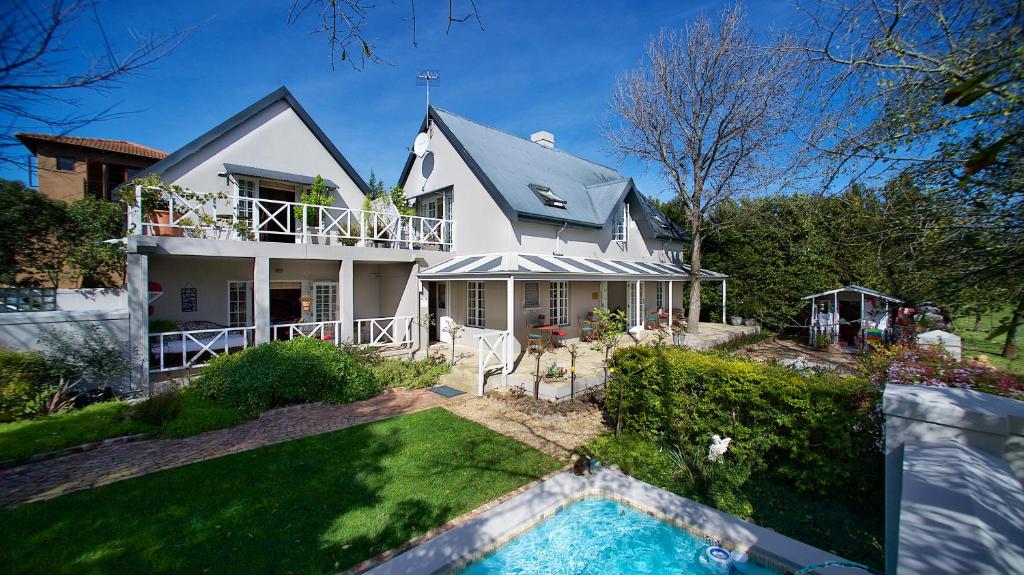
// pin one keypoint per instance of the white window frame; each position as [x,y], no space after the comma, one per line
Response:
[247,290]
[631,303]
[659,295]
[244,210]
[325,301]
[558,302]
[475,304]
[621,232]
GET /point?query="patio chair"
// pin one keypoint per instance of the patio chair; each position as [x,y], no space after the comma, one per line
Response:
[652,320]
[586,328]
[533,337]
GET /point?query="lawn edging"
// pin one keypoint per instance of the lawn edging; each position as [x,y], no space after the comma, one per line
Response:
[9,463]
[372,562]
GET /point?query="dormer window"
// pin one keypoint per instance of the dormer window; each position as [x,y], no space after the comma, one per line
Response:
[621,233]
[547,196]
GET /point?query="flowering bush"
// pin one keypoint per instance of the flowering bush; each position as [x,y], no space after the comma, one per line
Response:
[932,366]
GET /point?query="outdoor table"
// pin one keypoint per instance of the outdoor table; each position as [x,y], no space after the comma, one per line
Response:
[552,331]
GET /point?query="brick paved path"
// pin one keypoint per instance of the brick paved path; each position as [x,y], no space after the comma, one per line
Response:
[50,478]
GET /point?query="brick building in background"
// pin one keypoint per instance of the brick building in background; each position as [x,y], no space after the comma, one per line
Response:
[69,168]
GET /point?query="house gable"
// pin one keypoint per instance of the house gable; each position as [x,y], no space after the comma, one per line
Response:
[275,133]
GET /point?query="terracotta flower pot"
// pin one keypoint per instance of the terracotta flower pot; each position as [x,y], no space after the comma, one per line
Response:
[162,223]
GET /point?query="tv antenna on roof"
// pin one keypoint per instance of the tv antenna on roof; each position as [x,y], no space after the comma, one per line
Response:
[426,78]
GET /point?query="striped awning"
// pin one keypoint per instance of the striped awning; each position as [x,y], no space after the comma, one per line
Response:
[506,264]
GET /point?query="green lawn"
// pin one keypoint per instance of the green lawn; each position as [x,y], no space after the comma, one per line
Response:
[977,342]
[314,505]
[21,439]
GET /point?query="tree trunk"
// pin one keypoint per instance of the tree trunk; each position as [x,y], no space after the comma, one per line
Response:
[693,315]
[977,319]
[1013,333]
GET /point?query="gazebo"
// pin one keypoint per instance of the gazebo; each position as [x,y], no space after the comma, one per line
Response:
[852,313]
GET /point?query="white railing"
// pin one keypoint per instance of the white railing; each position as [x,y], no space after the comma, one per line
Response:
[325,330]
[384,331]
[182,349]
[226,217]
[494,350]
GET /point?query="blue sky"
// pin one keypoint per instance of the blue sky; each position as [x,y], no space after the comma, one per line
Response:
[535,66]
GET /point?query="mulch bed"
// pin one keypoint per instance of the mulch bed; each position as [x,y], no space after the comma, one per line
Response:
[584,404]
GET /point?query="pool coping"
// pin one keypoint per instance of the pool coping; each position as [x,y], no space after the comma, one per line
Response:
[469,541]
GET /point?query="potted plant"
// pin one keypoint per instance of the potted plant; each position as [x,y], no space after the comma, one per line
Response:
[735,320]
[554,373]
[318,194]
[307,303]
[153,203]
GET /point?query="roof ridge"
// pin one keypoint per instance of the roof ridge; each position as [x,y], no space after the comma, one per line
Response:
[559,150]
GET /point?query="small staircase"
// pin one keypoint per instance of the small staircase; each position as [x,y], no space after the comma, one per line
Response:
[462,377]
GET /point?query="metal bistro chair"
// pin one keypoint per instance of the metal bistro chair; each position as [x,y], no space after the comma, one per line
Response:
[586,328]
[534,338]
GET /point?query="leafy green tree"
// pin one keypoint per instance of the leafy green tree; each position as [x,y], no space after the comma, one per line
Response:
[29,252]
[92,261]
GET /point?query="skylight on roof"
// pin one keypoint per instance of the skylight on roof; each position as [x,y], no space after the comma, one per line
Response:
[547,196]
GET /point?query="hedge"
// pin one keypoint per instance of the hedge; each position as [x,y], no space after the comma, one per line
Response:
[22,377]
[283,373]
[821,432]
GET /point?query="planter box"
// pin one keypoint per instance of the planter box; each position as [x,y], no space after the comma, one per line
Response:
[162,221]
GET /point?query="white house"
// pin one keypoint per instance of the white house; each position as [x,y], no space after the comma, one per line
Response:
[505,230]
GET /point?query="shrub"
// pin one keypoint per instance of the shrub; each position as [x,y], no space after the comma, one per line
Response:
[162,326]
[158,409]
[820,432]
[416,374]
[934,367]
[22,376]
[198,415]
[283,373]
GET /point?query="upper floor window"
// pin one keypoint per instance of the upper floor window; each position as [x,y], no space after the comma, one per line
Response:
[621,233]
[65,164]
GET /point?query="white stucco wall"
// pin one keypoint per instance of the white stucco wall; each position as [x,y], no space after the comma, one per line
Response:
[274,139]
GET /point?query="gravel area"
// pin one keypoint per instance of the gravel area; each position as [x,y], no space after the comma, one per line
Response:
[554,435]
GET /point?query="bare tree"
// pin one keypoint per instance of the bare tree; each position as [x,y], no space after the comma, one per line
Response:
[709,108]
[345,24]
[903,80]
[42,78]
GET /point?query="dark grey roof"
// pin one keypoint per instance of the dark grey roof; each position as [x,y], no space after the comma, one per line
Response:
[508,165]
[281,93]
[273,175]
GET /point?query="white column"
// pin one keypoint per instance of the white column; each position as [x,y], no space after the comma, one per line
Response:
[670,307]
[510,292]
[138,320]
[863,329]
[346,313]
[723,301]
[814,314]
[636,307]
[261,297]
[834,318]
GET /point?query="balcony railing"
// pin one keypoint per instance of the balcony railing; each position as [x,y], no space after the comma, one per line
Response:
[225,217]
[188,349]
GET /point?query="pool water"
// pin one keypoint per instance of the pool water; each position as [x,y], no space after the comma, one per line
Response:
[600,537]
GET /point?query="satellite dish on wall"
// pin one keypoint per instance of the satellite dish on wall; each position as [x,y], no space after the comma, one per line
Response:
[419,147]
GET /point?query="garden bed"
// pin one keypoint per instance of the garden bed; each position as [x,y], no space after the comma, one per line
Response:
[581,406]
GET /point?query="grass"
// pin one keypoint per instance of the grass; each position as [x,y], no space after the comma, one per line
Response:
[977,342]
[21,439]
[314,505]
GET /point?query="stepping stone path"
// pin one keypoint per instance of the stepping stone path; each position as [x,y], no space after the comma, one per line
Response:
[50,478]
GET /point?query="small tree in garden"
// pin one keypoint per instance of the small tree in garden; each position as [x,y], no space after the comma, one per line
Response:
[574,351]
[453,330]
[537,350]
[609,327]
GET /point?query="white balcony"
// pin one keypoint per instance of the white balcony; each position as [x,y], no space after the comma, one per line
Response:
[238,218]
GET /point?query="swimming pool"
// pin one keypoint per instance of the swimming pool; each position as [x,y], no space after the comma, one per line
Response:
[600,537]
